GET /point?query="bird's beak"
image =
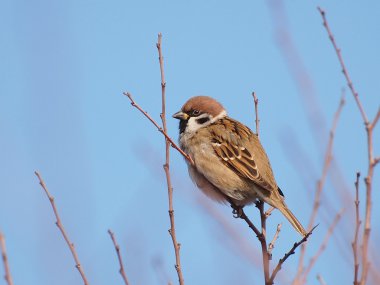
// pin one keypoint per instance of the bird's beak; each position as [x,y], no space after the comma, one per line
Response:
[181,116]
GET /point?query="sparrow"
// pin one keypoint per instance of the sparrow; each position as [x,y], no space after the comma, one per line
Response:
[230,164]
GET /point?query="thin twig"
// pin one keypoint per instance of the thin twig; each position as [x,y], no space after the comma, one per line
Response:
[159,128]
[263,240]
[289,253]
[7,276]
[241,214]
[269,211]
[320,279]
[117,248]
[261,236]
[323,245]
[342,64]
[257,121]
[371,158]
[320,184]
[357,227]
[166,166]
[271,244]
[62,229]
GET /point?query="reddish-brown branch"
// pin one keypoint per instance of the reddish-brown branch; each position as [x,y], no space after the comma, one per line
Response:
[159,128]
[371,158]
[62,229]
[269,211]
[320,184]
[257,120]
[357,227]
[263,240]
[271,244]
[168,142]
[241,214]
[323,246]
[343,65]
[260,235]
[7,276]
[286,256]
[117,248]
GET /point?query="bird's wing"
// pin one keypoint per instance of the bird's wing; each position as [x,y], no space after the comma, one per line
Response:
[239,148]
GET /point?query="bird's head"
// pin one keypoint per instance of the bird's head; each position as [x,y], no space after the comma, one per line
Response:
[198,112]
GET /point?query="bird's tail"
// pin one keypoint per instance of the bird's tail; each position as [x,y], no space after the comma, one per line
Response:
[291,218]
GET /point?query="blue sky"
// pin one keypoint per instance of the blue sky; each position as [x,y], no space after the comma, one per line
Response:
[65,65]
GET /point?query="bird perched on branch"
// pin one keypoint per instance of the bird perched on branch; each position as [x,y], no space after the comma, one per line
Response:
[230,164]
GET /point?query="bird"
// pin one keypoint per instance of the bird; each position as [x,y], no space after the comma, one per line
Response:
[229,163]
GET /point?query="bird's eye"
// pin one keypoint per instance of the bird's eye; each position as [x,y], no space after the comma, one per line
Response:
[195,112]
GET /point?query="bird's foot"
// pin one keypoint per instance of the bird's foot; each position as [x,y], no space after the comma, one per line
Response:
[237,211]
[259,203]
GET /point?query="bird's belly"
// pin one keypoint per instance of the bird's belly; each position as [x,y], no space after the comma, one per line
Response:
[211,175]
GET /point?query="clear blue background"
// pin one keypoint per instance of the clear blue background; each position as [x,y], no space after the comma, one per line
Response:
[64,66]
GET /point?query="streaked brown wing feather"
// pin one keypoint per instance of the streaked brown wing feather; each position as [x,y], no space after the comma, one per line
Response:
[232,146]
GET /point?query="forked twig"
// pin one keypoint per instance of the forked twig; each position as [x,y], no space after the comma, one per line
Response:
[289,253]
[7,276]
[342,64]
[159,128]
[117,248]
[356,235]
[257,120]
[241,214]
[172,230]
[372,160]
[263,240]
[271,244]
[62,229]
[269,211]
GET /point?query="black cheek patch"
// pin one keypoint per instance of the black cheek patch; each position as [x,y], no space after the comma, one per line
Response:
[201,121]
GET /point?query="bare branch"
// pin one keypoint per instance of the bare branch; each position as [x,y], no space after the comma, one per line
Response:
[7,276]
[376,161]
[269,211]
[369,129]
[263,240]
[160,129]
[117,248]
[343,65]
[271,244]
[62,229]
[257,121]
[261,236]
[241,214]
[376,119]
[172,230]
[289,253]
[357,227]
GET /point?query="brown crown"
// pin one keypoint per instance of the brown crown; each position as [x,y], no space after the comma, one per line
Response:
[204,104]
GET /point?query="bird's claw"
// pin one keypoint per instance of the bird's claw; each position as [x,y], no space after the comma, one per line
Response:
[237,211]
